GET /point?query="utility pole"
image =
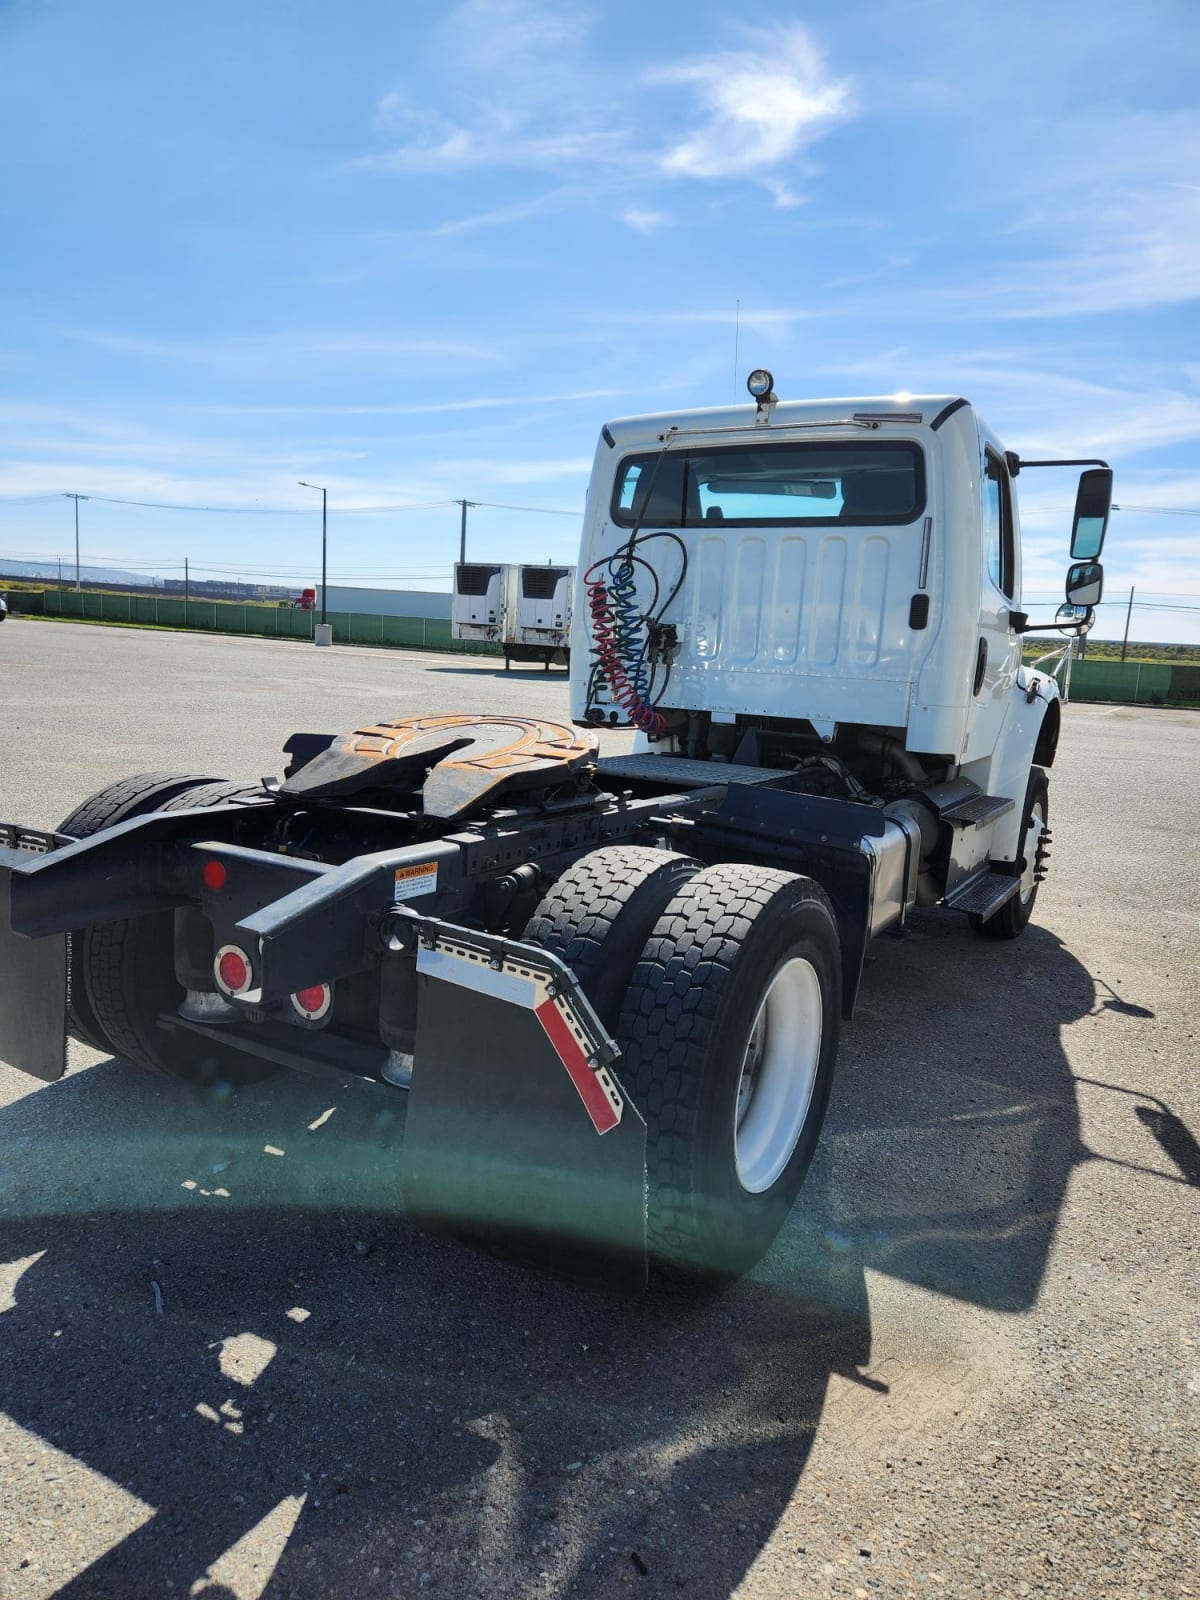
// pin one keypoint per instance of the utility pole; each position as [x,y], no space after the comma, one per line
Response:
[59,560]
[77,498]
[462,532]
[317,486]
[187,587]
[1128,614]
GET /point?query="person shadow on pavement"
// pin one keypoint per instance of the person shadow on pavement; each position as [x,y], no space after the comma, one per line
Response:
[331,1402]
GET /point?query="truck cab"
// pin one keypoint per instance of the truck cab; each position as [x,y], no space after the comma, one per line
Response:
[837,575]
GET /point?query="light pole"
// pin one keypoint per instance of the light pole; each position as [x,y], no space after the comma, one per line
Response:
[322,493]
[77,498]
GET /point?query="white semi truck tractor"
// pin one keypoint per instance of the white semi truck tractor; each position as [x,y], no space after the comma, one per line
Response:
[609,988]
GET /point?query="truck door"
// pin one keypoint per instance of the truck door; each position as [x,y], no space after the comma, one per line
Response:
[998,648]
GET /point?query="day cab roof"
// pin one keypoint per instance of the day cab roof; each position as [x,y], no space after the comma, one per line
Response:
[910,411]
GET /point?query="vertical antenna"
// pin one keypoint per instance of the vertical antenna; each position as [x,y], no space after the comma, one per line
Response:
[737,329]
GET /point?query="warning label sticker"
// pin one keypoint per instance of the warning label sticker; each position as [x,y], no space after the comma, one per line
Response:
[415,880]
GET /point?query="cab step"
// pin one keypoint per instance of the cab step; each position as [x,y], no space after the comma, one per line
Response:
[984,893]
[977,809]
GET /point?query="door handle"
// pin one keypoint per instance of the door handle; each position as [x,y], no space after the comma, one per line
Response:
[980,665]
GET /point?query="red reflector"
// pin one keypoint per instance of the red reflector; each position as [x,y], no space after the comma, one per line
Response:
[310,999]
[233,971]
[215,875]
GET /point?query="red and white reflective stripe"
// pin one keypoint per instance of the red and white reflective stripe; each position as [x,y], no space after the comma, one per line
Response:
[596,1089]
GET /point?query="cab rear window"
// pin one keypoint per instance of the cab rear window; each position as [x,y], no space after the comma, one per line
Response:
[783,485]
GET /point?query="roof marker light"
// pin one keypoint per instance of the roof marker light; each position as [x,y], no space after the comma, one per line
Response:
[214,874]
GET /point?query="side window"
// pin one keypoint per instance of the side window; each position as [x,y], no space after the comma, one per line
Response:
[998,539]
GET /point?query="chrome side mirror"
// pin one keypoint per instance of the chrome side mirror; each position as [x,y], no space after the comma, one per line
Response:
[1085,583]
[1075,619]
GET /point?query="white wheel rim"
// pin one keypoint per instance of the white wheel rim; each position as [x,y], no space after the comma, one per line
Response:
[1033,844]
[779,1074]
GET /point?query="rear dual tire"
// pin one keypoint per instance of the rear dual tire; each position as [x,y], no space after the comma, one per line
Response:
[122,974]
[728,1028]
[117,802]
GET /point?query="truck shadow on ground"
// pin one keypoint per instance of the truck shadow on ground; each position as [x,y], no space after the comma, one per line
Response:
[418,1418]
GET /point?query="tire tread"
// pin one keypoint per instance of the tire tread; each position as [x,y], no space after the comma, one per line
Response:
[667,1024]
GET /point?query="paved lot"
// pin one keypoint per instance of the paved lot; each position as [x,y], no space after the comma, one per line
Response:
[971,1366]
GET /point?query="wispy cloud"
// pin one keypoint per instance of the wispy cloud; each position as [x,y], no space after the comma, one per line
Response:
[422,408]
[760,107]
[498,216]
[256,351]
[643,220]
[534,100]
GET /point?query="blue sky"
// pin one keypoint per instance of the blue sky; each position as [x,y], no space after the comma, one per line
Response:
[416,253]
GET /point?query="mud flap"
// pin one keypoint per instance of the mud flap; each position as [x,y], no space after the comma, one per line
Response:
[33,999]
[519,1135]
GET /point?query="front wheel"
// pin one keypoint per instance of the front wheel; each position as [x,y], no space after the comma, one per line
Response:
[729,1035]
[1033,851]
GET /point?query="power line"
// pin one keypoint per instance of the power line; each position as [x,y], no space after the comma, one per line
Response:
[546,511]
[270,511]
[1171,511]
[295,511]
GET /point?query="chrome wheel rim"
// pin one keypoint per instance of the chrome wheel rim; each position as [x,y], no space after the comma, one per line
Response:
[1033,849]
[778,1076]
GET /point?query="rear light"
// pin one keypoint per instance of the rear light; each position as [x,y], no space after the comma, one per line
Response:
[232,968]
[214,875]
[313,1004]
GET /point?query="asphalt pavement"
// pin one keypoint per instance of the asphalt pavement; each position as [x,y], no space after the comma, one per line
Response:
[969,1367]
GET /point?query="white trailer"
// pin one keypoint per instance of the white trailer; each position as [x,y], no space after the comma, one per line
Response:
[539,626]
[484,598]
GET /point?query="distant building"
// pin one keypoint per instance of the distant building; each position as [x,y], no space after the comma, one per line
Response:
[387,602]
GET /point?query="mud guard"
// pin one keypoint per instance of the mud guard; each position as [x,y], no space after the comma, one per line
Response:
[519,1135]
[33,999]
[33,972]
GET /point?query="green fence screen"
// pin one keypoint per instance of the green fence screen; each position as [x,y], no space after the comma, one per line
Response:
[272,622]
[1154,683]
[1148,683]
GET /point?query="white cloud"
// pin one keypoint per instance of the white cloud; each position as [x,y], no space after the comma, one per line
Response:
[642,220]
[784,196]
[762,107]
[528,94]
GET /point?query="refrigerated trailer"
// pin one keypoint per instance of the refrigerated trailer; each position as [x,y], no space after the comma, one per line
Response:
[609,989]
[484,598]
[538,626]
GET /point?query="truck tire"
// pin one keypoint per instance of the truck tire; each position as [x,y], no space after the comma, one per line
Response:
[130,797]
[129,978]
[1013,916]
[729,1035]
[600,913]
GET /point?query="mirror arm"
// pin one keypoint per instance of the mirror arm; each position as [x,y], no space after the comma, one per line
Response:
[1020,623]
[1015,462]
